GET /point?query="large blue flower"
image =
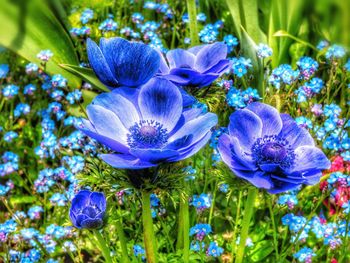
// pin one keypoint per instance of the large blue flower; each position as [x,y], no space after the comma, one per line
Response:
[270,150]
[118,62]
[147,126]
[88,209]
[198,66]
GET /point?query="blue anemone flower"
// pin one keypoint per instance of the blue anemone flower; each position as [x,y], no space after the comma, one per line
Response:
[147,126]
[197,66]
[270,150]
[88,209]
[118,62]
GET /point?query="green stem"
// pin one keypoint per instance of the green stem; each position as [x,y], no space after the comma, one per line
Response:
[248,212]
[238,214]
[122,239]
[180,233]
[192,14]
[148,232]
[212,206]
[103,247]
[274,228]
[186,228]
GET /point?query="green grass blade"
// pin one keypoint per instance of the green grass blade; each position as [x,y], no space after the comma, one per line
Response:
[27,27]
[86,74]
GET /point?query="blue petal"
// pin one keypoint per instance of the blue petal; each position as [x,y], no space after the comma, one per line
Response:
[309,157]
[99,64]
[99,200]
[89,211]
[187,99]
[187,115]
[222,66]
[92,223]
[180,143]
[73,217]
[210,55]
[153,155]
[257,178]
[132,63]
[192,149]
[196,49]
[80,200]
[205,79]
[197,127]
[163,66]
[161,101]
[271,120]
[120,106]
[182,76]
[246,127]
[295,135]
[180,58]
[90,131]
[224,148]
[124,161]
[80,219]
[107,123]
[232,154]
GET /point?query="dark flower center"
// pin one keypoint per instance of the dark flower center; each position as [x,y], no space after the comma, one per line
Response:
[147,134]
[273,150]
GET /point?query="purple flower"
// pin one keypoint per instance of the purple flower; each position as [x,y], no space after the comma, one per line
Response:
[147,126]
[88,209]
[118,62]
[197,66]
[270,150]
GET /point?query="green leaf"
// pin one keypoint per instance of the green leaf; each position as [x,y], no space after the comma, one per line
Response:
[27,27]
[249,50]
[261,251]
[22,199]
[233,6]
[251,21]
[282,33]
[86,74]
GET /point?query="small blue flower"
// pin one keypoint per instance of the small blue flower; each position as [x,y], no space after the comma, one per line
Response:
[263,51]
[86,16]
[108,25]
[322,44]
[335,52]
[240,66]
[214,250]
[304,255]
[10,91]
[139,252]
[4,70]
[88,209]
[137,18]
[10,136]
[231,42]
[31,68]
[201,202]
[200,231]
[21,108]
[283,74]
[45,55]
[307,66]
